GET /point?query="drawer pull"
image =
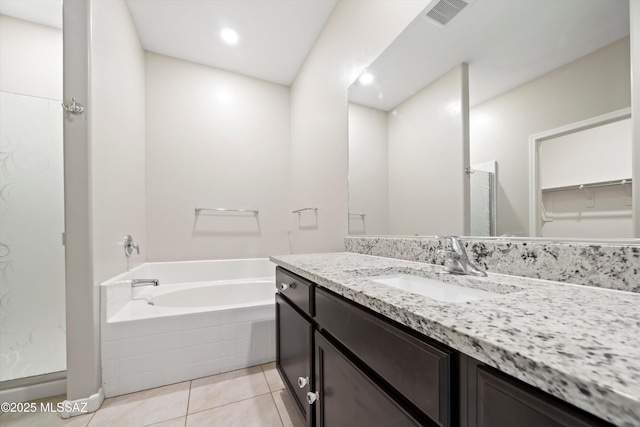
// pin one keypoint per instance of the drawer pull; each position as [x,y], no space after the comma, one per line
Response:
[284,286]
[312,397]
[303,381]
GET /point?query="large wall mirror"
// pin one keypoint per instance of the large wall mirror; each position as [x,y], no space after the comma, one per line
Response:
[442,124]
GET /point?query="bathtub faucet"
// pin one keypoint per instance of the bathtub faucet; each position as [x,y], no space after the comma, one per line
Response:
[144,282]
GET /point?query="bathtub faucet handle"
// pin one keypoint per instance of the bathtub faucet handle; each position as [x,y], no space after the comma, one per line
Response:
[130,245]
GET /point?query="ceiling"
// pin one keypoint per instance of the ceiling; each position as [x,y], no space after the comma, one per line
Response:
[505,42]
[275,36]
[45,12]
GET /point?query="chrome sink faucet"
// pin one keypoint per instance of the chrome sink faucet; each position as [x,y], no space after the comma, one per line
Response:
[456,260]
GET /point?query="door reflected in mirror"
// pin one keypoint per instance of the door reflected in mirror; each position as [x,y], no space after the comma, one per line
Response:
[532,67]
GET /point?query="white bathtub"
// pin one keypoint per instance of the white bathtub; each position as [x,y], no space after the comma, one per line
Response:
[204,318]
[227,295]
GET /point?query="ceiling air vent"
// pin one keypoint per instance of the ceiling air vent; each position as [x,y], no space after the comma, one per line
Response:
[442,12]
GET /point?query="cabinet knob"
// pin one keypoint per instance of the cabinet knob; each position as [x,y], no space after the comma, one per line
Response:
[284,286]
[312,397]
[303,381]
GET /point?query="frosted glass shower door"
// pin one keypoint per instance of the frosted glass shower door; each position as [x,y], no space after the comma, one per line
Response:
[32,281]
[481,193]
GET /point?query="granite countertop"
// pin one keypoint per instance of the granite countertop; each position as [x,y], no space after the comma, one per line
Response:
[578,343]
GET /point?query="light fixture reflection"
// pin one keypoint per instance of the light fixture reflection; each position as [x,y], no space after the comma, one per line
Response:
[366,78]
[454,108]
[229,35]
[481,119]
[224,95]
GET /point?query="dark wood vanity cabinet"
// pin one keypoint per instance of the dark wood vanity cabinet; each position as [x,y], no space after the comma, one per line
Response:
[346,367]
[415,370]
[294,338]
[346,396]
[358,368]
[498,400]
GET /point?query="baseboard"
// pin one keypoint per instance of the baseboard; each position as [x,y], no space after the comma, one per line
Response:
[29,393]
[83,406]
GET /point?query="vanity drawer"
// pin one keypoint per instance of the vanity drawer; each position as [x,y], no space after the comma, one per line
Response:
[298,291]
[417,370]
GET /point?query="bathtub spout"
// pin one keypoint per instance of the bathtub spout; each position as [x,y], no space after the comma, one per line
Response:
[144,282]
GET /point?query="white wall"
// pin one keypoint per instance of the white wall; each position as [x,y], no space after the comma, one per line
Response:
[221,140]
[427,145]
[368,171]
[38,73]
[355,34]
[596,84]
[117,138]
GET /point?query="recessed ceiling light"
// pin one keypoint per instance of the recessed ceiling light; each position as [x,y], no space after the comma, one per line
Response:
[229,35]
[366,78]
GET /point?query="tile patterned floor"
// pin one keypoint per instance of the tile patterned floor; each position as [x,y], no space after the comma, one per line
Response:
[245,398]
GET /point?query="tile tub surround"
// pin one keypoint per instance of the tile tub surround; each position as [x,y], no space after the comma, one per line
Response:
[577,343]
[603,265]
[142,354]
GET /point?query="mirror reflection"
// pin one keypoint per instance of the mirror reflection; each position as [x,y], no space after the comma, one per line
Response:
[441,136]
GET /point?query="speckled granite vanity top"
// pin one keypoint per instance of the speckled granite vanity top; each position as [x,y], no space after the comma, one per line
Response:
[578,343]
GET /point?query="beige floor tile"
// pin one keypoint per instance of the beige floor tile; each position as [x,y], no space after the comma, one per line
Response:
[40,419]
[176,422]
[218,390]
[287,408]
[272,376]
[143,408]
[255,412]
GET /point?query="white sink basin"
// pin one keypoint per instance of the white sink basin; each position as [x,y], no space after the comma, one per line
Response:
[435,289]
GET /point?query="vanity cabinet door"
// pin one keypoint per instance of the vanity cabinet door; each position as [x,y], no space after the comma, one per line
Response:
[501,401]
[419,371]
[345,396]
[294,352]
